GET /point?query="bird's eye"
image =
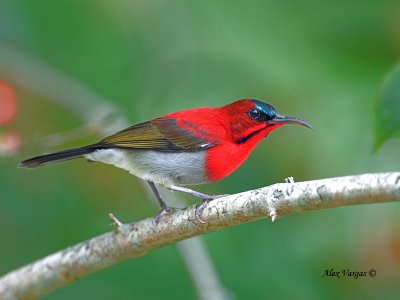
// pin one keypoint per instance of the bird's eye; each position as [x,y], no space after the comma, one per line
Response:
[254,113]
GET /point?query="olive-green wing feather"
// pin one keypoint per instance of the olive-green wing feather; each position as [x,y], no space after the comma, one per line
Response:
[157,134]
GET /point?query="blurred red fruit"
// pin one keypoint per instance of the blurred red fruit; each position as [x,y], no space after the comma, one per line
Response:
[10,143]
[8,106]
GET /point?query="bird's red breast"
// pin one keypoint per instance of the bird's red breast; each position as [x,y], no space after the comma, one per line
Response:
[243,135]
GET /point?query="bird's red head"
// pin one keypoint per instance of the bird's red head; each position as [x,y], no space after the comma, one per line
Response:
[250,119]
[246,122]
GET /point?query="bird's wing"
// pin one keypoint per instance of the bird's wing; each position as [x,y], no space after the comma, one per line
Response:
[159,134]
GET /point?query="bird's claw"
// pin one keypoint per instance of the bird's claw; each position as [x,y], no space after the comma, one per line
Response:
[164,211]
[199,210]
[200,207]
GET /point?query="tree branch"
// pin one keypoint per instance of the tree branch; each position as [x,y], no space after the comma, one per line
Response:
[136,239]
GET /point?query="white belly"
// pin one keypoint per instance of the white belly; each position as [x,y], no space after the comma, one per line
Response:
[166,168]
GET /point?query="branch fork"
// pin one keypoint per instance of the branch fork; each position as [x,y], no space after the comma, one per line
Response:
[115,223]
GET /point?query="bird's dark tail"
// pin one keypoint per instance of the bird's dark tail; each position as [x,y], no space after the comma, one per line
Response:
[55,157]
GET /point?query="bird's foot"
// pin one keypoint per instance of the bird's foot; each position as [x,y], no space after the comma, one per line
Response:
[165,210]
[200,207]
[199,210]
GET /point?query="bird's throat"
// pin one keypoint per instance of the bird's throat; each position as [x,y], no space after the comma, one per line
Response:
[246,138]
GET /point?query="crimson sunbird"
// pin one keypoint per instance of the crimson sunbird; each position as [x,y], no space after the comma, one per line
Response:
[187,147]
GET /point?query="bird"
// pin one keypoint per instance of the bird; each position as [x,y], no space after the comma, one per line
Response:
[188,147]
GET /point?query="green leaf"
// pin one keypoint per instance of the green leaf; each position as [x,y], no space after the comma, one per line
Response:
[387,109]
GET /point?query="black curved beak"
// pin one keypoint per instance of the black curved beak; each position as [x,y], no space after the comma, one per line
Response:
[290,120]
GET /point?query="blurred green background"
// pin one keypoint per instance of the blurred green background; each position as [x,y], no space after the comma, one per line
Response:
[323,61]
